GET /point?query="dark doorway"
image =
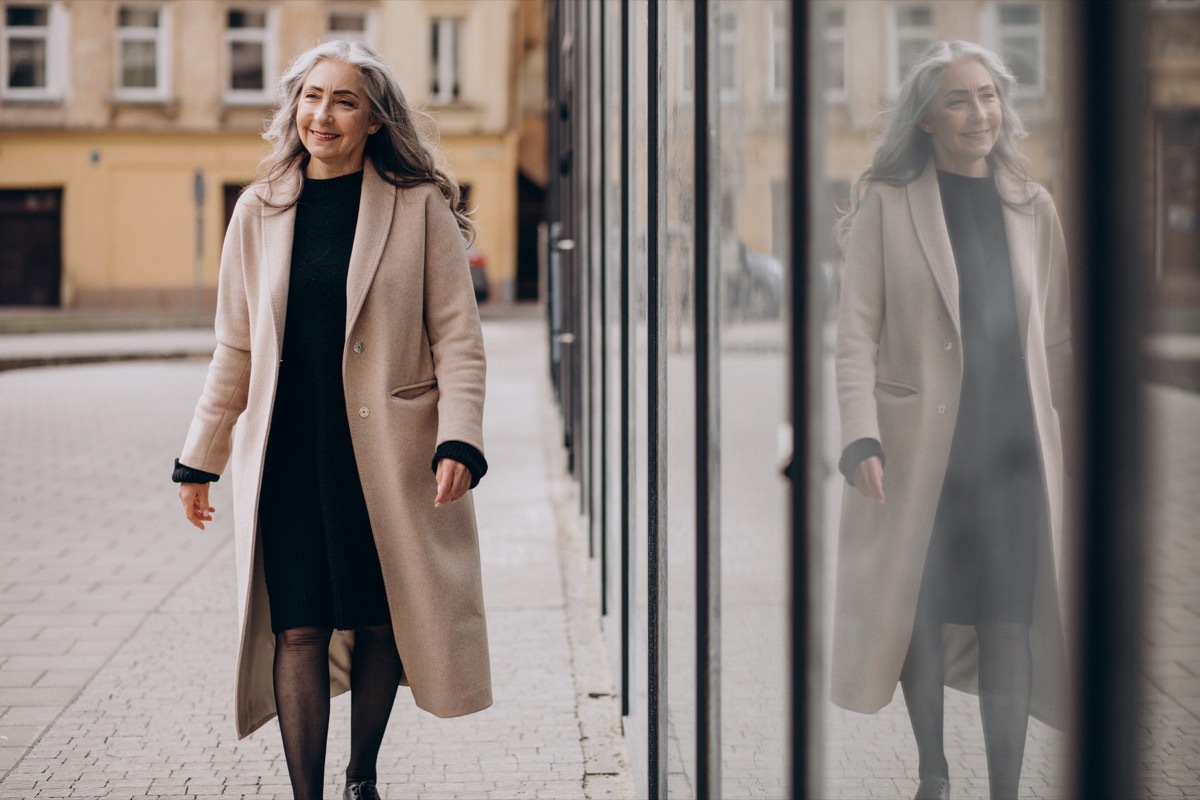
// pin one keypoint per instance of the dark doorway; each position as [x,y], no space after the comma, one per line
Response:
[231,192]
[1178,217]
[531,211]
[31,258]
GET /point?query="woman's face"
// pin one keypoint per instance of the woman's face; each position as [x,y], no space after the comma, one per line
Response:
[965,120]
[333,119]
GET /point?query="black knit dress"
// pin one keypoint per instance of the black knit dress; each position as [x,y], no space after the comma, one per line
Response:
[982,555]
[319,555]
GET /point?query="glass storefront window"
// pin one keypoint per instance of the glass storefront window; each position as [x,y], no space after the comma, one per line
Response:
[679,439]
[893,609]
[704,206]
[751,250]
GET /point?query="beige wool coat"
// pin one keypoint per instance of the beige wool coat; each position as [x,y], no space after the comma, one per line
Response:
[899,372]
[413,372]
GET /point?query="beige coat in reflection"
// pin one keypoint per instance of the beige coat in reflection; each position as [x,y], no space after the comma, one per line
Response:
[899,370]
[413,370]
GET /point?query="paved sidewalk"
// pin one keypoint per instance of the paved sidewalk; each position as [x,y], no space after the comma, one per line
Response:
[117,621]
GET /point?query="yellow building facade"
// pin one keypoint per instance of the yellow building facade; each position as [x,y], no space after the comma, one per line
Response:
[867,45]
[131,126]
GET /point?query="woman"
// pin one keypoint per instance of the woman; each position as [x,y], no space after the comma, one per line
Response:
[350,355]
[953,364]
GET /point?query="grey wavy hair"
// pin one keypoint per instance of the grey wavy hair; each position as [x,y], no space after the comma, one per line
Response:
[400,151]
[903,149]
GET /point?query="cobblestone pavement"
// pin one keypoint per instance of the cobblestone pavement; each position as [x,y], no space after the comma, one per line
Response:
[117,621]
[874,756]
[117,632]
[1171,709]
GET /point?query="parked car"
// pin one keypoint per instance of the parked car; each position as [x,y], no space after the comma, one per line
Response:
[478,273]
[754,290]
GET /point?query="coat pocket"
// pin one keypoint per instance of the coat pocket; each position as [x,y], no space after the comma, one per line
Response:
[894,388]
[412,391]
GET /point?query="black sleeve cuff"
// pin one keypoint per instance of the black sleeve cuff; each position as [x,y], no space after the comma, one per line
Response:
[464,454]
[185,474]
[855,452]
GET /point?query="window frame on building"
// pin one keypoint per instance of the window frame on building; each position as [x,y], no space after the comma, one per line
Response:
[835,36]
[727,55]
[1176,5]
[777,37]
[687,60]
[998,35]
[368,35]
[446,69]
[160,36]
[267,36]
[54,36]
[897,33]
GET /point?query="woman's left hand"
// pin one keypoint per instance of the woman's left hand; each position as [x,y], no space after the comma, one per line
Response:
[453,480]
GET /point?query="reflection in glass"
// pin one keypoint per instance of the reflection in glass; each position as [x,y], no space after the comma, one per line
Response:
[614,184]
[680,388]
[949,407]
[639,378]
[1020,43]
[753,241]
[1171,688]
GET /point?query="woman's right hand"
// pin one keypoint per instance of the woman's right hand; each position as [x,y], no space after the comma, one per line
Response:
[868,478]
[195,503]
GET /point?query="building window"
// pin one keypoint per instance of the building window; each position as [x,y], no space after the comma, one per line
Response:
[687,57]
[1020,40]
[358,25]
[143,57]
[727,55]
[777,82]
[33,51]
[447,43]
[834,35]
[911,34]
[249,56]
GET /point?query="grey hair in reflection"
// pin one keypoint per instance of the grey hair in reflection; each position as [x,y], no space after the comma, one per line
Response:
[399,151]
[901,152]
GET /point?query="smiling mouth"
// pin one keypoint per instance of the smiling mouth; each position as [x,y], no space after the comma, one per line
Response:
[324,137]
[978,134]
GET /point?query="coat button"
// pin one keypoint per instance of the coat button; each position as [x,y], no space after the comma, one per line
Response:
[947,345]
[941,408]
[359,347]
[364,411]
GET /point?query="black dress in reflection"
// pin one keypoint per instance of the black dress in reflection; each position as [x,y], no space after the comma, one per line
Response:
[983,551]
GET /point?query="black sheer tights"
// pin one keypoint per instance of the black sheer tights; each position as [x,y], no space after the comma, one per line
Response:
[1005,684]
[374,677]
[302,700]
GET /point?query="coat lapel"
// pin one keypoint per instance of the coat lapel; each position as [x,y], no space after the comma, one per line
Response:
[925,204]
[278,227]
[1020,232]
[375,213]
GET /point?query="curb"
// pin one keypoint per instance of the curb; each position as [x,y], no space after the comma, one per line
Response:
[32,362]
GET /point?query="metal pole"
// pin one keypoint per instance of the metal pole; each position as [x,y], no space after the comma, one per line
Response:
[802,712]
[198,265]
[1110,68]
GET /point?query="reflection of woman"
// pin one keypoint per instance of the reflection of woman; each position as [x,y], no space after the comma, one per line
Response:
[953,362]
[349,351]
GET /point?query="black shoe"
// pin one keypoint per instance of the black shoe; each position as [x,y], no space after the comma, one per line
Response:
[360,790]
[929,789]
